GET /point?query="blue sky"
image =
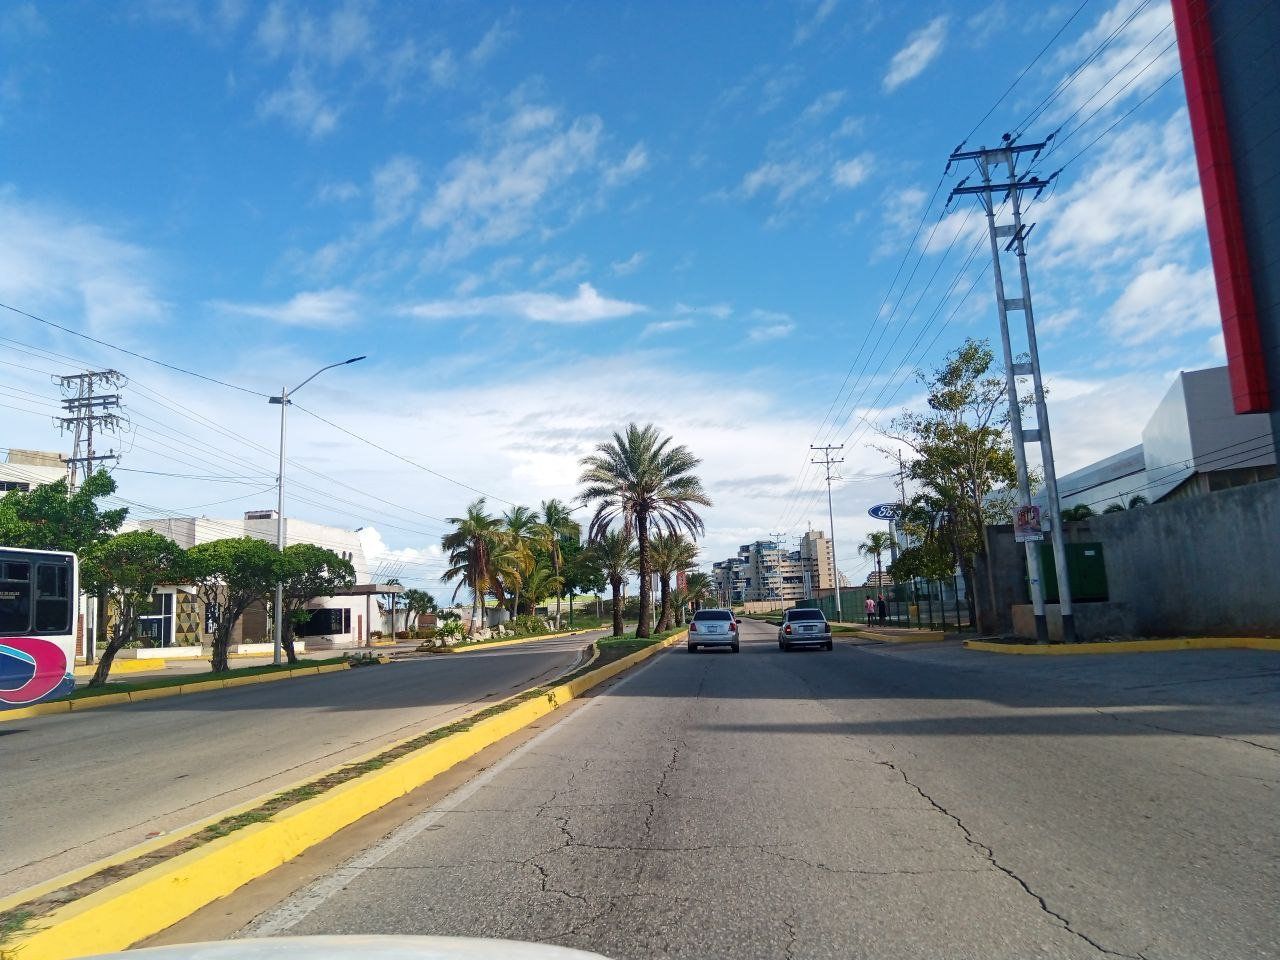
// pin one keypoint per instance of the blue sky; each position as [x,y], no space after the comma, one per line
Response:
[542,220]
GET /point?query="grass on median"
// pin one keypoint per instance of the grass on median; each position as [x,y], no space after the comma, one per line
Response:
[129,686]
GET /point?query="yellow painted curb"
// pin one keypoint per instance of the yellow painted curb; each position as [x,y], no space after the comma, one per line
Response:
[122,666]
[1128,646]
[158,693]
[491,644]
[122,913]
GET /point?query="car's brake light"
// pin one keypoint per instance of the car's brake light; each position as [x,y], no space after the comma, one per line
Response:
[693,627]
[787,628]
[733,627]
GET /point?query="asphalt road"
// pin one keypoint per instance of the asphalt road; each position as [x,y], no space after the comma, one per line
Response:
[878,801]
[77,787]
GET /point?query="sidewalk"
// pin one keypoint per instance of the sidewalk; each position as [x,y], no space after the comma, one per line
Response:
[891,634]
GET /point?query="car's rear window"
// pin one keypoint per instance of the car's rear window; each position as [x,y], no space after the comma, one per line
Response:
[805,615]
[713,615]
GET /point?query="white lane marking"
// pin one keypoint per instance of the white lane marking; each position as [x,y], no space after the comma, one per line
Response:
[296,909]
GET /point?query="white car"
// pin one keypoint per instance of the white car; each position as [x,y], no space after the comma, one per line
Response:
[802,626]
[713,628]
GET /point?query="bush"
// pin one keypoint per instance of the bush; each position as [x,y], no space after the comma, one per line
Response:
[402,634]
[528,623]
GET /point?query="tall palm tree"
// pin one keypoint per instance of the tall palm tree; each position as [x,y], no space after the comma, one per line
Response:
[640,479]
[557,522]
[470,546]
[877,543]
[522,531]
[699,588]
[672,553]
[615,551]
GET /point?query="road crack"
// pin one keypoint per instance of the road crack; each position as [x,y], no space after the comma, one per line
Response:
[989,855]
[1125,718]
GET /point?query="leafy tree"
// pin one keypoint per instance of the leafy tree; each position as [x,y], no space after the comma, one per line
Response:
[557,526]
[672,553]
[640,479]
[1113,508]
[522,530]
[229,575]
[877,543]
[700,588]
[964,461]
[417,602]
[1081,511]
[932,556]
[46,518]
[470,546]
[582,574]
[1138,500]
[614,551]
[124,572]
[307,572]
[542,583]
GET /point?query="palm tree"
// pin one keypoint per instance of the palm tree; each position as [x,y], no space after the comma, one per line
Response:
[699,588]
[615,551]
[542,583]
[877,542]
[1081,511]
[557,522]
[522,530]
[672,553]
[641,479]
[1138,500]
[470,547]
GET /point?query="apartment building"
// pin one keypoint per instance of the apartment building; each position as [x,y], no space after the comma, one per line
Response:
[767,570]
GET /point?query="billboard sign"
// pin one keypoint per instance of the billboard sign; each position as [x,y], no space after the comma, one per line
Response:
[1026,524]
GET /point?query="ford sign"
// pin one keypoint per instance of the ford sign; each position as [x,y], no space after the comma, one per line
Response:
[885,511]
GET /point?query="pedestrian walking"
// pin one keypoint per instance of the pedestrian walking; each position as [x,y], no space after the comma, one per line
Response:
[882,608]
[870,607]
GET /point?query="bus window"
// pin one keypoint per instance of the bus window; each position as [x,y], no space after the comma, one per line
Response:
[15,597]
[53,593]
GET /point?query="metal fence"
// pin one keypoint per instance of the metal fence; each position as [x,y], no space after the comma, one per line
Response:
[927,604]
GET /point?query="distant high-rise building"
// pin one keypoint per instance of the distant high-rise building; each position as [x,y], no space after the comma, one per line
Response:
[765,570]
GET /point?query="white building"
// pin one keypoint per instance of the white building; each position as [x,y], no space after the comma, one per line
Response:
[24,469]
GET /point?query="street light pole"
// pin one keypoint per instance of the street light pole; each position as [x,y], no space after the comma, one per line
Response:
[277,626]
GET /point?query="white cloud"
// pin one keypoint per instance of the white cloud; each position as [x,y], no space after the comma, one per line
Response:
[494,39]
[586,306]
[1164,301]
[822,105]
[775,326]
[395,185]
[533,166]
[721,311]
[301,105]
[56,262]
[809,26]
[622,268]
[324,309]
[784,179]
[852,172]
[665,326]
[920,50]
[442,68]
[286,32]
[337,191]
[632,165]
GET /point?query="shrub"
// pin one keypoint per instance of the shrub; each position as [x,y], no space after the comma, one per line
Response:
[402,634]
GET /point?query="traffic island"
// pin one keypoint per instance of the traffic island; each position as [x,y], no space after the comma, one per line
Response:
[115,903]
[1154,645]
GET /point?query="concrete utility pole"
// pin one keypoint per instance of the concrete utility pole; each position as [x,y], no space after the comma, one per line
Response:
[827,462]
[88,411]
[1008,155]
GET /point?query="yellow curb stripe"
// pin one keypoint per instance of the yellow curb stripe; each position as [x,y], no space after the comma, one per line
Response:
[491,644]
[122,666]
[132,909]
[1128,646]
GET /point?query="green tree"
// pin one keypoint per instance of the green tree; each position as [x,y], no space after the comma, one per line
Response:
[123,572]
[963,454]
[470,547]
[582,574]
[417,602]
[876,544]
[557,526]
[672,553]
[46,518]
[522,531]
[614,551]
[700,588]
[229,575]
[1081,511]
[638,478]
[307,572]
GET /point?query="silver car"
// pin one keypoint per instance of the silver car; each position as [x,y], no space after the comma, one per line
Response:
[804,626]
[713,628]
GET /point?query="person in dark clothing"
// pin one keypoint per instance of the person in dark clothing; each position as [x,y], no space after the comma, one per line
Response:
[882,608]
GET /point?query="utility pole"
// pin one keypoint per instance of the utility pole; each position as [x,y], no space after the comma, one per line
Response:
[88,411]
[828,463]
[1008,155]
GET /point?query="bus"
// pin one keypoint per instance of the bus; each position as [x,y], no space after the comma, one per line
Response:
[38,599]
